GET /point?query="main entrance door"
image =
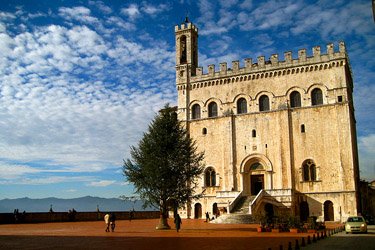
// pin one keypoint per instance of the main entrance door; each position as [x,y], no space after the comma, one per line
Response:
[257,183]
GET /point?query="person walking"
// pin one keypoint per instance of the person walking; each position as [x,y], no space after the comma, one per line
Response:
[106,220]
[112,220]
[177,222]
[207,217]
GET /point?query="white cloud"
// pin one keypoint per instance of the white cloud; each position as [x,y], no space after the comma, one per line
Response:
[10,171]
[154,9]
[71,96]
[132,11]
[101,6]
[102,183]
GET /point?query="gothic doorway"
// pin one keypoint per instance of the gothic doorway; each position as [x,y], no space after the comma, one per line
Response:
[304,211]
[328,211]
[257,183]
[215,209]
[197,211]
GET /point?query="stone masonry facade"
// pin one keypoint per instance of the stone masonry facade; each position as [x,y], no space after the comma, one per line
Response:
[281,133]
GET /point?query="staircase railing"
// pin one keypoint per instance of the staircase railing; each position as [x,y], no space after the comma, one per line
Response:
[254,203]
[234,202]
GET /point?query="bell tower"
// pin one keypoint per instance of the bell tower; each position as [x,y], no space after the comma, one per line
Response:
[186,36]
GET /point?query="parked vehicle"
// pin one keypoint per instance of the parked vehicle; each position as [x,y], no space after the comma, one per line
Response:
[356,224]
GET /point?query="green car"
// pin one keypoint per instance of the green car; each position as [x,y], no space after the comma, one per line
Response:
[356,224]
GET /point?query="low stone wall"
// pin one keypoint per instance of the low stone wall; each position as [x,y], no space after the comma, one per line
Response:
[7,218]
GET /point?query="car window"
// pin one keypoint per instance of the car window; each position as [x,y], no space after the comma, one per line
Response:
[355,219]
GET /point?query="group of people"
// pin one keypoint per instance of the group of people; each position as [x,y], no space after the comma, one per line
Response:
[110,221]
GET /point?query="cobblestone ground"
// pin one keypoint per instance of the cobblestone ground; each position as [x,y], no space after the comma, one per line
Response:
[141,234]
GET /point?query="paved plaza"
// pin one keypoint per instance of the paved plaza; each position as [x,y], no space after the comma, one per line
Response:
[141,234]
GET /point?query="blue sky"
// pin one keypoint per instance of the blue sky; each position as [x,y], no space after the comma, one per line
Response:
[81,80]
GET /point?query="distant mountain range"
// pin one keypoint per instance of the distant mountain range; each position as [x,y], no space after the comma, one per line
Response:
[83,204]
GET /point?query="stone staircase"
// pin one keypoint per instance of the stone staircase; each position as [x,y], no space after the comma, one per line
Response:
[242,206]
[234,219]
[239,214]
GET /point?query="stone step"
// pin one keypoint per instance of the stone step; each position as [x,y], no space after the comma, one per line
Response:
[234,219]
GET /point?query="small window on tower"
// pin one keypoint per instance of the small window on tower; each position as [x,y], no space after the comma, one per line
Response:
[254,133]
[339,98]
[303,128]
[204,131]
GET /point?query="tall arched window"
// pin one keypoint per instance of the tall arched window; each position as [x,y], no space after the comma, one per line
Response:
[210,177]
[183,57]
[196,111]
[295,99]
[316,97]
[241,106]
[264,103]
[309,170]
[212,109]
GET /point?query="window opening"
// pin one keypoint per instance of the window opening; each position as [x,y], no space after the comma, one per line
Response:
[295,99]
[264,103]
[241,106]
[254,133]
[316,97]
[212,109]
[309,171]
[210,177]
[196,111]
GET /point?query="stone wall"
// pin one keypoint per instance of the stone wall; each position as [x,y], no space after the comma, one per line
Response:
[6,218]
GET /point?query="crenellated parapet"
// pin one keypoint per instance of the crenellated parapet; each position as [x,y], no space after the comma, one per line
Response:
[274,67]
[185,26]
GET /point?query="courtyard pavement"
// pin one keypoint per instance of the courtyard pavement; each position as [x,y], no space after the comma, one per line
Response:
[141,234]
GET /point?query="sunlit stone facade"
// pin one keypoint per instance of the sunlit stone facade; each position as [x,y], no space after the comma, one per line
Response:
[280,133]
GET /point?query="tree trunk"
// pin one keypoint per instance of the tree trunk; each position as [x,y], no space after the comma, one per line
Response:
[163,222]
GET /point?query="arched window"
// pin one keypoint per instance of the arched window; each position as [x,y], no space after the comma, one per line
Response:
[212,109]
[295,99]
[309,170]
[256,166]
[204,131]
[254,133]
[183,57]
[316,97]
[241,106]
[196,111]
[264,103]
[210,177]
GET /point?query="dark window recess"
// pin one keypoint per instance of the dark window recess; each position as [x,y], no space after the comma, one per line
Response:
[303,128]
[196,111]
[316,97]
[204,131]
[339,98]
[212,109]
[254,133]
[266,146]
[295,99]
[264,103]
[241,106]
[210,177]
[309,171]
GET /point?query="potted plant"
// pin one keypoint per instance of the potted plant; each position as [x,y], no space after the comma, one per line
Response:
[294,224]
[312,225]
[261,219]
